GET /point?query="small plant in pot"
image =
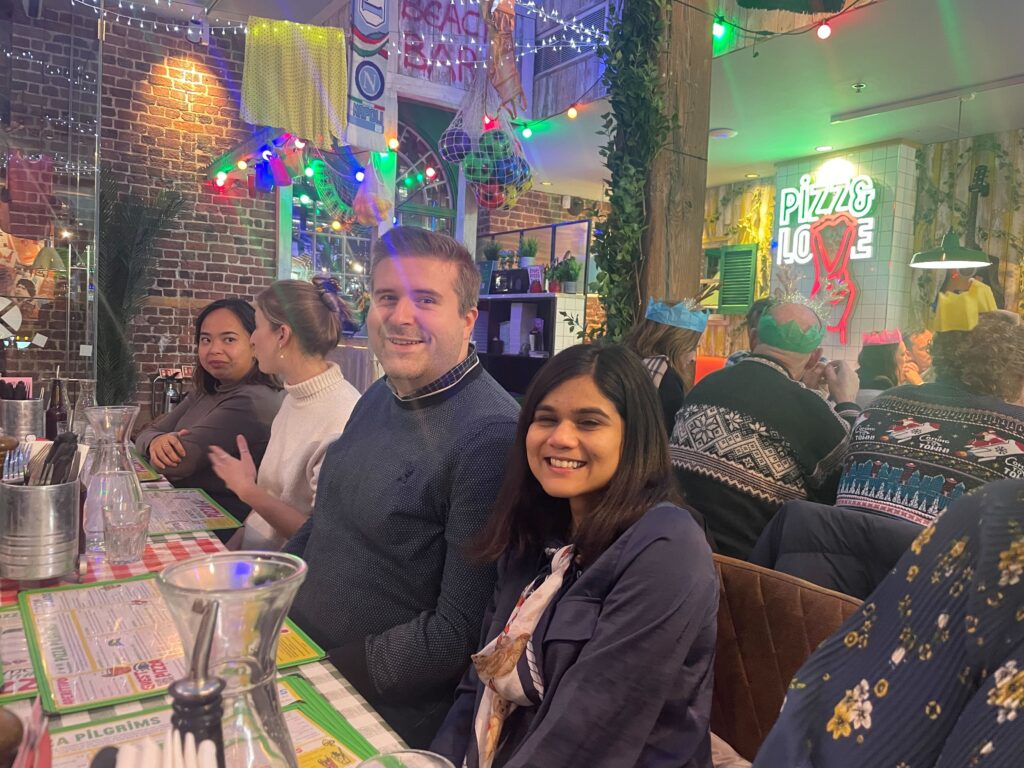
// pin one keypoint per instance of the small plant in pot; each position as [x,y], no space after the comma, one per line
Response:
[491,250]
[527,251]
[551,278]
[567,271]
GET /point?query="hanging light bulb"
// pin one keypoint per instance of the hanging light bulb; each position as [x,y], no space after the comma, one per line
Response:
[360,175]
[299,144]
[305,199]
[336,225]
[393,143]
[718,28]
[527,132]
[824,31]
[242,165]
[572,113]
[222,179]
[309,172]
[430,172]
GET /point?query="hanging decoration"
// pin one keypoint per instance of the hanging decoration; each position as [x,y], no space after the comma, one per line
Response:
[500,18]
[328,193]
[372,104]
[294,76]
[483,143]
[375,199]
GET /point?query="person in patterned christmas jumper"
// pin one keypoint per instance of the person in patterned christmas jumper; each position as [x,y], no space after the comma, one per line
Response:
[751,436]
[916,449]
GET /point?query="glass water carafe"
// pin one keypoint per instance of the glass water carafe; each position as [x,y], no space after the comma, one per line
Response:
[253,592]
[86,398]
[108,474]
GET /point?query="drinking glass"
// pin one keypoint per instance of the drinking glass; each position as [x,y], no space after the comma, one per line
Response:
[124,531]
[407,758]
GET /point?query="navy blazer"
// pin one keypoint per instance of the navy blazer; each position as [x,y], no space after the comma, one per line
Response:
[627,651]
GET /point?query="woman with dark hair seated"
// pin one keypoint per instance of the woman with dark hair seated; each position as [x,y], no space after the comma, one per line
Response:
[881,362]
[930,672]
[598,647]
[231,397]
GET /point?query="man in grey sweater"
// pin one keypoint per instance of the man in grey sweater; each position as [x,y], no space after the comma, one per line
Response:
[393,592]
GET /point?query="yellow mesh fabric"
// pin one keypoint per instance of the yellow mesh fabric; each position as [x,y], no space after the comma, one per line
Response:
[296,79]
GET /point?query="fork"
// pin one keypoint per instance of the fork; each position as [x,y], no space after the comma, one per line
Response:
[16,464]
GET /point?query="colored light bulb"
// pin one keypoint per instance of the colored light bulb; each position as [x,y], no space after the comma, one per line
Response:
[572,113]
[718,28]
[824,31]
[527,132]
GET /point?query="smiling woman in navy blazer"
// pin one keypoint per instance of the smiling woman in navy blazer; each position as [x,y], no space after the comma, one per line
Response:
[598,647]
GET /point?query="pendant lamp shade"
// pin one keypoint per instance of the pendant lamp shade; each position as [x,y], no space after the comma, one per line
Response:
[950,255]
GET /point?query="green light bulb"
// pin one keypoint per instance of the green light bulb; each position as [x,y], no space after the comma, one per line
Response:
[718,28]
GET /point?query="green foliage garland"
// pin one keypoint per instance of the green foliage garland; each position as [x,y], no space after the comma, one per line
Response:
[637,128]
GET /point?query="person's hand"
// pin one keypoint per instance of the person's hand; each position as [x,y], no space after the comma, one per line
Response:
[166,450]
[842,381]
[239,475]
[814,376]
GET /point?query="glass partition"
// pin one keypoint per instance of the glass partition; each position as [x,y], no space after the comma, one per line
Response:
[49,126]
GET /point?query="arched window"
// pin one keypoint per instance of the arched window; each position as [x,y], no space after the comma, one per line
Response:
[423,193]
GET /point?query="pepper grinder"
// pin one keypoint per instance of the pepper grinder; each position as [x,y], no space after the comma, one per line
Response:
[197,700]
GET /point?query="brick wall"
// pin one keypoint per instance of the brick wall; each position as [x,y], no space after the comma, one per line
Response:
[534,209]
[169,108]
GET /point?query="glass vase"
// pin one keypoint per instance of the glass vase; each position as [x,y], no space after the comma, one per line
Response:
[253,592]
[108,473]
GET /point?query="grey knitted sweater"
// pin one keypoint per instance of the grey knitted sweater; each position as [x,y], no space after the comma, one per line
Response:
[391,591]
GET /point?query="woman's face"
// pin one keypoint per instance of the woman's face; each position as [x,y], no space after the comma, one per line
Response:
[225,349]
[574,443]
[902,356]
[266,344]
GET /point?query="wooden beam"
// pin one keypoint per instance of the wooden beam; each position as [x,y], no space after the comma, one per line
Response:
[678,179]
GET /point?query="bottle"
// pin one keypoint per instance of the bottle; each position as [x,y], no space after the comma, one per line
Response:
[57,411]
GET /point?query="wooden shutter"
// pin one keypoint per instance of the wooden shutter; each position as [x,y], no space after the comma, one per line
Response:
[737,269]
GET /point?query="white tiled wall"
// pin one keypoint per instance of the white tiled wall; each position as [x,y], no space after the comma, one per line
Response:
[574,304]
[884,281]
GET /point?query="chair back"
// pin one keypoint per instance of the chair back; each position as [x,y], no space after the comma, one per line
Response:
[768,624]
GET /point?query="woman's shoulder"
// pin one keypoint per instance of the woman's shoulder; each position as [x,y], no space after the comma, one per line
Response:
[681,539]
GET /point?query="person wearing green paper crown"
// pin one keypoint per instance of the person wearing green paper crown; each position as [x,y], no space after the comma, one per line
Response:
[751,437]
[666,340]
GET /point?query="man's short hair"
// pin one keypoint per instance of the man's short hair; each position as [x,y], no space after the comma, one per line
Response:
[757,309]
[411,242]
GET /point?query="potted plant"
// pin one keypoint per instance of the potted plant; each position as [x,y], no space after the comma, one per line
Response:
[551,277]
[568,272]
[491,250]
[527,251]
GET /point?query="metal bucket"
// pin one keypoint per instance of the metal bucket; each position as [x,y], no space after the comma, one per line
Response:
[38,530]
[20,418]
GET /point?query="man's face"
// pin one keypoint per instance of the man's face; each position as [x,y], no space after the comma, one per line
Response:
[415,327]
[920,350]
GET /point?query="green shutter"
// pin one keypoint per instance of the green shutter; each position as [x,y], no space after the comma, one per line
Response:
[737,269]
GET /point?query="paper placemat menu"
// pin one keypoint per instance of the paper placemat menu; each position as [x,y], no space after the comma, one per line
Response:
[100,644]
[184,510]
[19,681]
[143,469]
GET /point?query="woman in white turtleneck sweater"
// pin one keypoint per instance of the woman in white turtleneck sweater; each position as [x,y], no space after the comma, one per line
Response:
[297,324]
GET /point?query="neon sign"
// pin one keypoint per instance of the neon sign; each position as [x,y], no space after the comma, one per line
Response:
[800,207]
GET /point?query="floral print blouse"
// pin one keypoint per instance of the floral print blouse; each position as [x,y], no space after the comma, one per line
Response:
[930,671]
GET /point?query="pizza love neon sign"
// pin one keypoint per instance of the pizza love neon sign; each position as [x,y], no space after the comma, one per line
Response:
[829,224]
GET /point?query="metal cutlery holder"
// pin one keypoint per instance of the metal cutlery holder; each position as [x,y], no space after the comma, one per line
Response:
[39,529]
[20,418]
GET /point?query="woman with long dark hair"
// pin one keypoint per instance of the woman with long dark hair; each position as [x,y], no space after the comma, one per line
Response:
[598,647]
[230,397]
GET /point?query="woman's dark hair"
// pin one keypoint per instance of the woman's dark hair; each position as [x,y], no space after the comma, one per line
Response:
[246,315]
[988,360]
[314,311]
[525,516]
[878,366]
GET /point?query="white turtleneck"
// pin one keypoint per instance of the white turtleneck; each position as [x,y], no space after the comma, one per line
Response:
[312,417]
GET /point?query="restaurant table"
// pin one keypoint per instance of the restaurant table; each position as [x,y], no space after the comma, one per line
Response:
[169,548]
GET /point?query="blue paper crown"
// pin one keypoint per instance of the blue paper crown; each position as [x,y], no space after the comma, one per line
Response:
[685,315]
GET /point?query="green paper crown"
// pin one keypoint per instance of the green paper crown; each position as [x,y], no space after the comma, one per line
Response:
[788,336]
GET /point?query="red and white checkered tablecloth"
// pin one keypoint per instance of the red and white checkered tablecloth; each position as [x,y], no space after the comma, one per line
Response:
[159,552]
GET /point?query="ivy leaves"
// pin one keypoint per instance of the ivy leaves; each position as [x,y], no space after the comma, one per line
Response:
[636,129]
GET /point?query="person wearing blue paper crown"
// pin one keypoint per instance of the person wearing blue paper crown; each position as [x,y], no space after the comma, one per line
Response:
[666,340]
[751,437]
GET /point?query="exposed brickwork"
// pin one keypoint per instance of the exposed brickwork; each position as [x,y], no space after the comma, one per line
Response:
[534,209]
[169,108]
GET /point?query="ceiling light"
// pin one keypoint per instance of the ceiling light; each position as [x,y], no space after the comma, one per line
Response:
[722,133]
[753,175]
[824,148]
[950,255]
[545,183]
